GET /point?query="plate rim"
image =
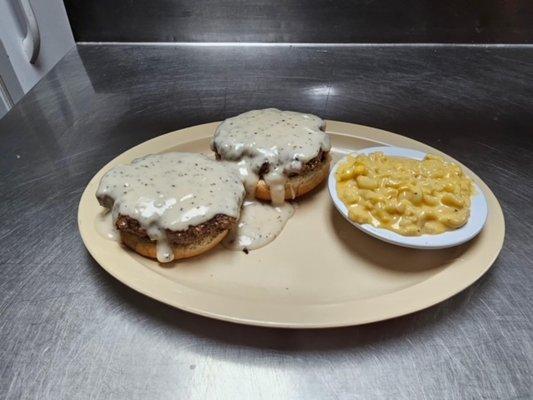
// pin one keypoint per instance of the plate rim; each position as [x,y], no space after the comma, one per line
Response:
[160,288]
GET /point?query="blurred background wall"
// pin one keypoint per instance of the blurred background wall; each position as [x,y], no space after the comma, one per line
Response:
[314,21]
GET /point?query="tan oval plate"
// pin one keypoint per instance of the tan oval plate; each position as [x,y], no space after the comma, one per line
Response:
[320,272]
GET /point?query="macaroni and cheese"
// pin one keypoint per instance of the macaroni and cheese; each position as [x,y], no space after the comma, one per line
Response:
[407,196]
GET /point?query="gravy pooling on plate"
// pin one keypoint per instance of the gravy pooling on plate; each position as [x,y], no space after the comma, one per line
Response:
[282,140]
[171,192]
[259,224]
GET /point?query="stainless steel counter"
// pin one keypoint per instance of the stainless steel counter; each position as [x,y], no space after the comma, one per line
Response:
[70,331]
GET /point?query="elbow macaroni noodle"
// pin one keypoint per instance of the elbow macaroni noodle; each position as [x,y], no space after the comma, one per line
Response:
[409,197]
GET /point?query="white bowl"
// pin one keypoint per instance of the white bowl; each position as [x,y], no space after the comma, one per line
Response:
[478,211]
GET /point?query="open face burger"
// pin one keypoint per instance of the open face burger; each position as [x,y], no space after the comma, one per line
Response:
[172,205]
[281,155]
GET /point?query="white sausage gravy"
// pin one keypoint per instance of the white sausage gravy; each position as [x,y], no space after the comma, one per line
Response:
[259,224]
[176,191]
[285,141]
[172,191]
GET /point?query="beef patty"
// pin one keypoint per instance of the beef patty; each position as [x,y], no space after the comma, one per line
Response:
[309,166]
[312,164]
[193,234]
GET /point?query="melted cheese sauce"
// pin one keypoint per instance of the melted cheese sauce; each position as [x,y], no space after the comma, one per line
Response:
[285,140]
[407,196]
[258,225]
[172,191]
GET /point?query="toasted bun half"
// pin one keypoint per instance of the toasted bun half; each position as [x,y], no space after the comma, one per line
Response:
[148,248]
[297,185]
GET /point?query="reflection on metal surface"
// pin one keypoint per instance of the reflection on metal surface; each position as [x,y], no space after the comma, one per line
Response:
[4,95]
[324,90]
[297,44]
[58,308]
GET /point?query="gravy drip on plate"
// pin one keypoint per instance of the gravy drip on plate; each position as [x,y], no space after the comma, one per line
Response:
[172,191]
[285,140]
[105,226]
[259,224]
